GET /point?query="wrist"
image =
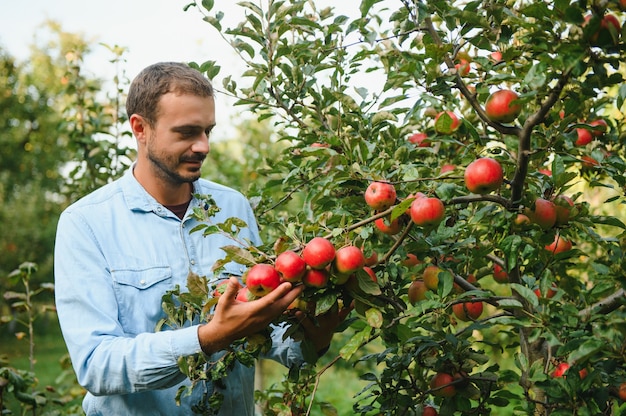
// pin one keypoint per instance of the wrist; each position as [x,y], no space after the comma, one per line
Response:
[210,340]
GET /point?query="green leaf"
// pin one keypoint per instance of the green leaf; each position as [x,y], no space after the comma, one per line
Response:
[586,350]
[239,255]
[374,317]
[325,303]
[355,343]
[366,284]
[526,293]
[207,4]
[511,248]
[10,295]
[197,285]
[536,76]
[509,303]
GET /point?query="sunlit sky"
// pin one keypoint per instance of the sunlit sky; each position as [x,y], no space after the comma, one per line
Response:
[152,30]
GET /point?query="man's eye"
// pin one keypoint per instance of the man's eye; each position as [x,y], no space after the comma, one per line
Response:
[188,133]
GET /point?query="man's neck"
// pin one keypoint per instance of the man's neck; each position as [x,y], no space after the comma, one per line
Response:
[165,192]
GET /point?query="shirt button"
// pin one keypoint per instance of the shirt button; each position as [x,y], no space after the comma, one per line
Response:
[142,282]
[192,262]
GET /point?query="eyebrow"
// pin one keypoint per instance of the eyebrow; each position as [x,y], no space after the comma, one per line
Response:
[188,127]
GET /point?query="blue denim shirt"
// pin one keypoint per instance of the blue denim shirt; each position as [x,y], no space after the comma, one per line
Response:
[117,252]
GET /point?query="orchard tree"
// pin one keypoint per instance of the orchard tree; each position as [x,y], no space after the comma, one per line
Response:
[53,120]
[500,127]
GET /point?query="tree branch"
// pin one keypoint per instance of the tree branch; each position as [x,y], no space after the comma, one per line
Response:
[606,305]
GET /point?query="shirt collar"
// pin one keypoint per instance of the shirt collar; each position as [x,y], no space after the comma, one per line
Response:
[137,198]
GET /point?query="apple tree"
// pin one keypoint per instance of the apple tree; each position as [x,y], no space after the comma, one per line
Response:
[529,241]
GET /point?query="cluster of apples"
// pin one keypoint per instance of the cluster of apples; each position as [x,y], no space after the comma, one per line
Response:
[314,267]
[424,211]
[502,106]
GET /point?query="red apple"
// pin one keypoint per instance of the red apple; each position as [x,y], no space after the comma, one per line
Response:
[349,259]
[469,279]
[447,168]
[483,175]
[584,137]
[318,253]
[419,139]
[446,122]
[608,33]
[261,279]
[496,56]
[417,291]
[543,213]
[559,245]
[600,127]
[427,211]
[380,195]
[501,107]
[429,411]
[549,294]
[463,67]
[546,172]
[386,227]
[521,220]
[371,273]
[411,260]
[315,278]
[467,311]
[499,274]
[430,277]
[589,162]
[415,196]
[372,259]
[290,266]
[320,145]
[621,392]
[244,295]
[220,288]
[560,370]
[442,386]
[563,205]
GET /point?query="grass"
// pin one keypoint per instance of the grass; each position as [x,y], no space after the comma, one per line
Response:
[51,366]
[337,387]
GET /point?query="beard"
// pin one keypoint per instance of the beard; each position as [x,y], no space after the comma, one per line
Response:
[170,168]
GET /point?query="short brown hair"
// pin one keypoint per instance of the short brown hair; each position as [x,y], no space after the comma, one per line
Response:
[159,79]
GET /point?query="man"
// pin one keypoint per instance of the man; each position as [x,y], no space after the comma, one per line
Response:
[119,249]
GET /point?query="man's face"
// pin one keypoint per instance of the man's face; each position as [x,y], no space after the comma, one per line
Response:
[179,140]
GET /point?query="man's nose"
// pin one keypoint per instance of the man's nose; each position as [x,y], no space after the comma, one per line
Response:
[201,144]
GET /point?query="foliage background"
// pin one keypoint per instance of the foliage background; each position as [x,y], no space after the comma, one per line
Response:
[332,116]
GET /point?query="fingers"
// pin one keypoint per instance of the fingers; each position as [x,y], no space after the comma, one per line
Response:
[231,290]
[284,293]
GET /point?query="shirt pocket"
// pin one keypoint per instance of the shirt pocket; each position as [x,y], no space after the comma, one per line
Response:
[139,295]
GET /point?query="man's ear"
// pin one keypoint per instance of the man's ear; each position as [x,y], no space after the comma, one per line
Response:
[139,127]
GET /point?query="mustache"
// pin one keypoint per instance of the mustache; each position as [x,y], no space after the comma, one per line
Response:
[196,157]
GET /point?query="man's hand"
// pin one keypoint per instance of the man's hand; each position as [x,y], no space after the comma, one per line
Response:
[234,320]
[320,330]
